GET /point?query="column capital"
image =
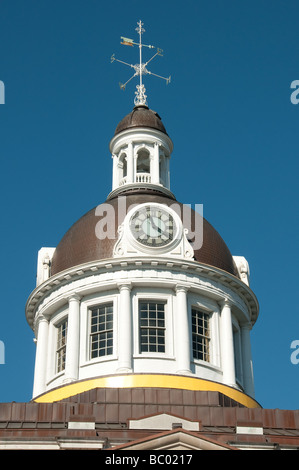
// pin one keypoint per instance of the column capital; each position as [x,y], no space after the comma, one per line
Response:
[74,297]
[40,319]
[126,285]
[246,326]
[226,303]
[182,288]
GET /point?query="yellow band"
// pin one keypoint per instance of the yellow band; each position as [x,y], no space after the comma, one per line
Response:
[146,381]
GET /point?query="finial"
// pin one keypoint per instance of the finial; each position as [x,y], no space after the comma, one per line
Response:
[140,69]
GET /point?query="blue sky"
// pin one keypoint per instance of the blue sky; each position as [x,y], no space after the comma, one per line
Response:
[227,110]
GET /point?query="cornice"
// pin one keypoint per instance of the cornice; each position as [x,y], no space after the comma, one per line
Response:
[138,134]
[111,265]
[155,188]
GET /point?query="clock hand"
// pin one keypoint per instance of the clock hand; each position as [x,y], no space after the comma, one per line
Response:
[154,225]
[160,230]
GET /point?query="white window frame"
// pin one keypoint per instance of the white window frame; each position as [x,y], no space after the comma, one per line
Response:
[157,328]
[237,338]
[63,347]
[60,316]
[98,332]
[207,348]
[85,345]
[159,297]
[212,309]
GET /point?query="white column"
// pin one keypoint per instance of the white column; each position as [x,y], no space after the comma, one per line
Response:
[182,331]
[135,157]
[155,170]
[247,360]
[115,179]
[41,357]
[167,177]
[73,337]
[227,345]
[130,163]
[124,328]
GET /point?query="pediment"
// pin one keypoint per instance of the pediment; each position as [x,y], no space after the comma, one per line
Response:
[163,422]
[177,439]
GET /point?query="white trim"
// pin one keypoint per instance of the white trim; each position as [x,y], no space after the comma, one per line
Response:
[92,277]
[86,305]
[139,136]
[54,444]
[59,317]
[81,425]
[257,431]
[158,295]
[212,308]
[150,250]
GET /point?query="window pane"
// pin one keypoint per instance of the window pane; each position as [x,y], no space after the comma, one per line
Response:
[101,331]
[152,326]
[61,346]
[200,335]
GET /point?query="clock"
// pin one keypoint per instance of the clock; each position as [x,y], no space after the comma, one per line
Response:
[152,226]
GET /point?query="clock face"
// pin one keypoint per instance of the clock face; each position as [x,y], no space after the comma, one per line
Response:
[152,226]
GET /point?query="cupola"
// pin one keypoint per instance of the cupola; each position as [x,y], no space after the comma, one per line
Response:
[141,151]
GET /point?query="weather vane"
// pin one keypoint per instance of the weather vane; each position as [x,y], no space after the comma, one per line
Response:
[140,69]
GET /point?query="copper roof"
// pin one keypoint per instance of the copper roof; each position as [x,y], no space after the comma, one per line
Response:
[141,116]
[111,409]
[81,245]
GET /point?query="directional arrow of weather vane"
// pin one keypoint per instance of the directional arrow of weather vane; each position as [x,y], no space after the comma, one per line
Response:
[141,68]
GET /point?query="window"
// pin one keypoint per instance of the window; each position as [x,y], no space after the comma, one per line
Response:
[152,326]
[61,346]
[237,352]
[143,161]
[123,164]
[200,335]
[101,330]
[162,169]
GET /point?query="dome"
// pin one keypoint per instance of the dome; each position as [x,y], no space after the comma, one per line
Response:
[81,245]
[141,116]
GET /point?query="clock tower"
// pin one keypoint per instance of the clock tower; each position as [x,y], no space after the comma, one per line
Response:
[153,300]
[142,293]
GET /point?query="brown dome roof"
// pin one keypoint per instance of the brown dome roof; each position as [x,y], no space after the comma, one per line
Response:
[141,116]
[81,245]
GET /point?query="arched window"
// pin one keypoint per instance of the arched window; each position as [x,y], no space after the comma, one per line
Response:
[123,164]
[143,161]
[162,171]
